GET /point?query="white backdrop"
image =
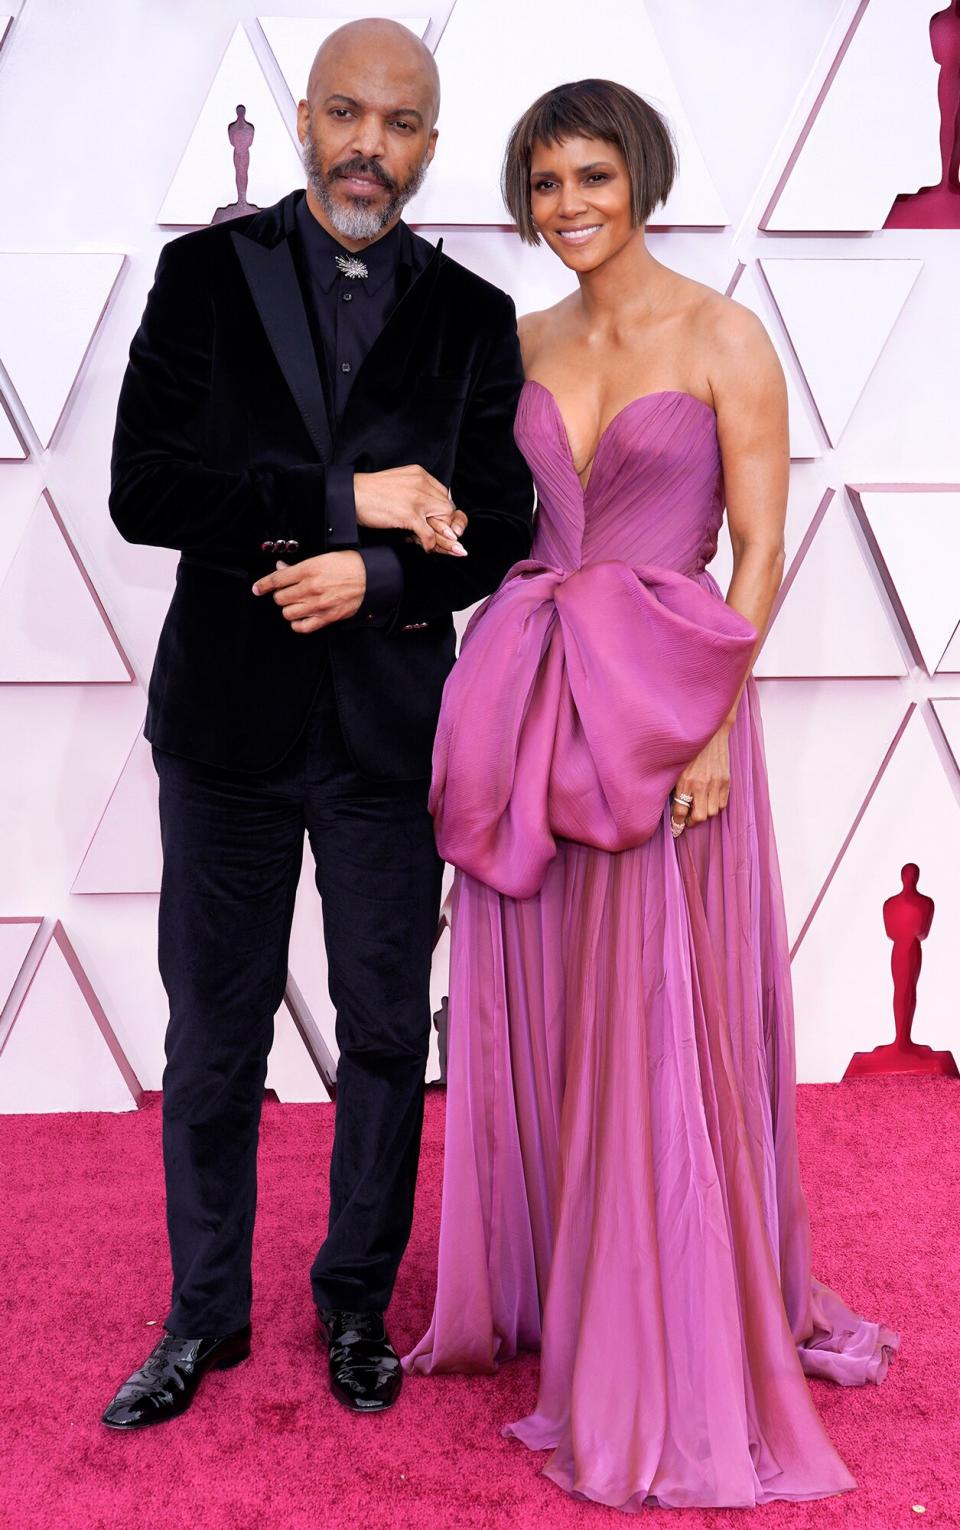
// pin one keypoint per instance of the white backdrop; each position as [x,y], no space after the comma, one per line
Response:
[798,126]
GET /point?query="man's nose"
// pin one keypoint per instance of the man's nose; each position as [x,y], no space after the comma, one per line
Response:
[368,139]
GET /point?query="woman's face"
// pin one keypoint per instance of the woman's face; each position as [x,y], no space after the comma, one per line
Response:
[580,198]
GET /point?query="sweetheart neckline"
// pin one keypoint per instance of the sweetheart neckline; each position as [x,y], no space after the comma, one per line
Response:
[657,393]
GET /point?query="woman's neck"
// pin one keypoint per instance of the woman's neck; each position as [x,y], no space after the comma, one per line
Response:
[626,289]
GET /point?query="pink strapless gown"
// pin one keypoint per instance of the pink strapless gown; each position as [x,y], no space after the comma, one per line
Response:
[621,1183]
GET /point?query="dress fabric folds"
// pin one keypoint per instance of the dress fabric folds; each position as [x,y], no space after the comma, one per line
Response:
[621,1181]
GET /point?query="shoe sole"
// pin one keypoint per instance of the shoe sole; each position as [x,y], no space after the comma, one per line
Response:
[374,1407]
[364,1407]
[168,1418]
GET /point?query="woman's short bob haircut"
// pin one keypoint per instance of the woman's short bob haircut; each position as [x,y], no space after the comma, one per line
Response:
[592,109]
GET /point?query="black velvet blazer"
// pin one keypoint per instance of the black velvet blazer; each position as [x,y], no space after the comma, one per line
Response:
[223,441]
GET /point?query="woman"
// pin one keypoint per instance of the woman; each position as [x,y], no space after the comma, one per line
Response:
[621,1183]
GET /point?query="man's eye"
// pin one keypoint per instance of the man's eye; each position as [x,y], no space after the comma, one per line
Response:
[407,126]
[340,111]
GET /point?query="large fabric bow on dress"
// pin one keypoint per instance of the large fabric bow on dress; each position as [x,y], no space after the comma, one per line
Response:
[578,699]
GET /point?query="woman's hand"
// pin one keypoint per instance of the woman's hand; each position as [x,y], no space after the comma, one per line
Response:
[707,780]
[449,521]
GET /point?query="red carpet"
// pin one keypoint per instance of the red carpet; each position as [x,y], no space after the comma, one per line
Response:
[84,1272]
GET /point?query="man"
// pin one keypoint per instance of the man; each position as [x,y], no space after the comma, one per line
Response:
[318,414]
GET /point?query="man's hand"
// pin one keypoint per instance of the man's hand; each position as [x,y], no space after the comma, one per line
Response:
[409,499]
[318,591]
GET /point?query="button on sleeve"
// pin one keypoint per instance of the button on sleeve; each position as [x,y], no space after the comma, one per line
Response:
[341,508]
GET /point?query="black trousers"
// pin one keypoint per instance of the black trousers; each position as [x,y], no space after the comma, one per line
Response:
[232,850]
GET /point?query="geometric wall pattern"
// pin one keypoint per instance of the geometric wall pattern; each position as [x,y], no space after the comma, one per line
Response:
[860,671]
[855,152]
[61,297]
[839,314]
[917,537]
[620,43]
[294,40]
[59,1050]
[11,446]
[66,639]
[124,854]
[205,177]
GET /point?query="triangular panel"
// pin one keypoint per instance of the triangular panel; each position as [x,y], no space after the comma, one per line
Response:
[205,183]
[292,1071]
[12,448]
[947,710]
[917,535]
[53,627]
[61,1052]
[806,440]
[50,306]
[295,39]
[841,972]
[16,937]
[124,855]
[854,154]
[950,663]
[839,314]
[832,620]
[521,52]
[822,788]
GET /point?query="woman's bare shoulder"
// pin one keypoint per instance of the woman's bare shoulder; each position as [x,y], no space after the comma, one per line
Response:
[729,330]
[538,329]
[742,364]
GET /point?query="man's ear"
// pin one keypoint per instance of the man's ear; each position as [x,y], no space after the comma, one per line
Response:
[303,119]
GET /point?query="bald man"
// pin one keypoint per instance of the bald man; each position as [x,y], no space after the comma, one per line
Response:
[317,413]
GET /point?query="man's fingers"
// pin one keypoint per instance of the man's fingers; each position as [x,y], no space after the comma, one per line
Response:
[298,610]
[293,593]
[424,533]
[279,580]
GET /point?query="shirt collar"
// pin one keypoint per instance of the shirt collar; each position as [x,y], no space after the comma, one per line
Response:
[381,258]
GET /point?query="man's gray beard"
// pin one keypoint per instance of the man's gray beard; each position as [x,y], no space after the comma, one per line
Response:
[358,220]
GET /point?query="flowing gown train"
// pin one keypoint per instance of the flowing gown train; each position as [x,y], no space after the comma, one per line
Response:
[621,1183]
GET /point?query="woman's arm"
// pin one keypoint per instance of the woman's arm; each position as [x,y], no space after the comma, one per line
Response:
[750,397]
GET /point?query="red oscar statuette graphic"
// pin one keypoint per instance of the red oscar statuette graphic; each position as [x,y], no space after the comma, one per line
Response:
[907,918]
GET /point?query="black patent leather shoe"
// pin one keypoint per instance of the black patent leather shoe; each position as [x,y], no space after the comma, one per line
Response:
[365,1372]
[167,1382]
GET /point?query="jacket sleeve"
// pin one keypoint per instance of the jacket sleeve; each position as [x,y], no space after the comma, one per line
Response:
[491,483]
[162,491]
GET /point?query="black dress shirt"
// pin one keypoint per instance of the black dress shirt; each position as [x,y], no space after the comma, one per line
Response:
[346,316]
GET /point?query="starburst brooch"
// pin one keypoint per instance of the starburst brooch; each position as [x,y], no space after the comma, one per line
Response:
[351,266]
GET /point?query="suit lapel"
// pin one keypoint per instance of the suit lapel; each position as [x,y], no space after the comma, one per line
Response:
[392,353]
[272,279]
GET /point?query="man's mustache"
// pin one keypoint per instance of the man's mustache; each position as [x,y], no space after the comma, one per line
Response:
[364,167]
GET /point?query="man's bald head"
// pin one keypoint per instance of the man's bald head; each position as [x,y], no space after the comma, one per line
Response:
[368,126]
[387,49]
